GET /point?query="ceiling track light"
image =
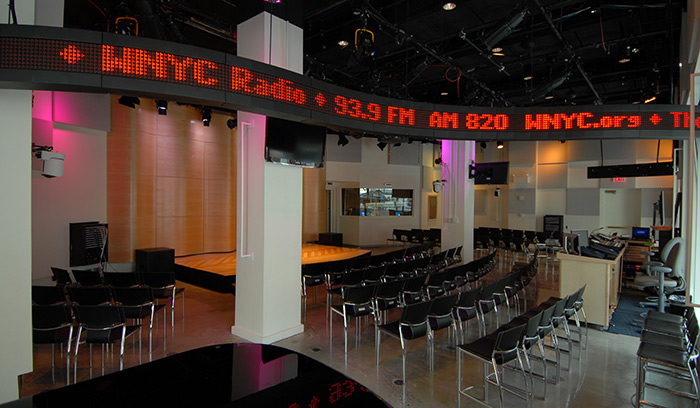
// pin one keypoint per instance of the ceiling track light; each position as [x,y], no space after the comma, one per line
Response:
[342,140]
[162,107]
[449,6]
[232,123]
[499,145]
[206,116]
[381,146]
[130,101]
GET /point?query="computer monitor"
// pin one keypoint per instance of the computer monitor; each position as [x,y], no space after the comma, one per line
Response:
[582,238]
[641,233]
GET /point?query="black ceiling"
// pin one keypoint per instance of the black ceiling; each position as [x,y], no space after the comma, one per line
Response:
[572,49]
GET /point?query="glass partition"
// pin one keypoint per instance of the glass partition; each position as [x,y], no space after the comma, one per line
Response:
[377,202]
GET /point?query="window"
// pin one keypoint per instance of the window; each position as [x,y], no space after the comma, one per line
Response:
[377,202]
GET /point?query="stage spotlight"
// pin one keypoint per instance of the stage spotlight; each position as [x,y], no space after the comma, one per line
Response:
[162,107]
[499,145]
[342,140]
[483,145]
[232,123]
[381,146]
[206,116]
[130,101]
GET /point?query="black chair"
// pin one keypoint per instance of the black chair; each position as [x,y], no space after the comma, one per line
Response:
[121,279]
[312,275]
[465,309]
[163,285]
[497,351]
[61,276]
[679,363]
[413,290]
[104,324]
[93,295]
[387,297]
[570,311]
[48,295]
[412,324]
[357,302]
[87,277]
[53,324]
[374,275]
[434,287]
[487,302]
[139,303]
[440,317]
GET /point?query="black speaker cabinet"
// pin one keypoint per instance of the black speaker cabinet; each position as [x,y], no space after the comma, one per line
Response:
[155,260]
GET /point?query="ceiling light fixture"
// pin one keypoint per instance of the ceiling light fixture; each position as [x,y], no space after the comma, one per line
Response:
[499,145]
[343,43]
[342,140]
[527,78]
[162,107]
[496,49]
[498,54]
[549,96]
[232,123]
[381,146]
[130,101]
[652,99]
[624,60]
[206,116]
[449,6]
[444,93]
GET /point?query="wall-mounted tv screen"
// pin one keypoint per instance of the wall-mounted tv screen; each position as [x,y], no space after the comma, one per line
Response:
[295,143]
[491,173]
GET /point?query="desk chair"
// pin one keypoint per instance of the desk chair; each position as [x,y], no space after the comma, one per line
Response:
[672,263]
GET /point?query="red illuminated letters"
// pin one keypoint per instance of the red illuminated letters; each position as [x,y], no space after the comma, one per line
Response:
[144,63]
[404,116]
[444,120]
[245,81]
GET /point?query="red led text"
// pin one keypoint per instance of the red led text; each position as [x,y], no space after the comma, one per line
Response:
[581,120]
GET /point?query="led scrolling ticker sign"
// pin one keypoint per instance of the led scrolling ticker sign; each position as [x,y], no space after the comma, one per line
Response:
[21,53]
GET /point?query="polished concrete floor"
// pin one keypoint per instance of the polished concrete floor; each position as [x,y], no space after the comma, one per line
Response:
[603,376]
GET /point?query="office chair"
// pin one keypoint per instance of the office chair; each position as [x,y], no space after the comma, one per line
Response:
[672,263]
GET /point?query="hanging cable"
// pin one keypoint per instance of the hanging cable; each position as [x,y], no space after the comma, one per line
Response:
[658,149]
[459,75]
[11,14]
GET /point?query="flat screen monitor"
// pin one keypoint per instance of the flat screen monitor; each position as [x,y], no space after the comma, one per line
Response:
[295,143]
[491,173]
[582,238]
[641,233]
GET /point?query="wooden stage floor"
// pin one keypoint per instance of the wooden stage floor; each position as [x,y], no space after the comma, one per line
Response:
[225,263]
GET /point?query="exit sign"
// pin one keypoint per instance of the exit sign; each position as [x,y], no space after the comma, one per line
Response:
[619,179]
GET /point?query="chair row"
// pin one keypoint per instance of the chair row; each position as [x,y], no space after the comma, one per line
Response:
[668,348]
[516,339]
[163,284]
[101,324]
[430,236]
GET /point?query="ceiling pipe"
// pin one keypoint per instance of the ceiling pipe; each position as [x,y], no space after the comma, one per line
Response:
[569,50]
[384,23]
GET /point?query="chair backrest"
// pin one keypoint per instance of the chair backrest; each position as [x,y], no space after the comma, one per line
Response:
[546,320]
[121,279]
[61,275]
[93,295]
[46,317]
[87,277]
[390,289]
[353,277]
[48,295]
[100,317]
[360,261]
[158,279]
[442,306]
[533,324]
[507,341]
[311,270]
[414,284]
[488,291]
[133,296]
[414,319]
[374,274]
[673,255]
[468,298]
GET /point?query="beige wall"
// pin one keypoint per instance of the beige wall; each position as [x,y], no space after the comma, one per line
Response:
[171,181]
[315,215]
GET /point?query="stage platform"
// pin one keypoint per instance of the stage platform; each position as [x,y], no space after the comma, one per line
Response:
[217,271]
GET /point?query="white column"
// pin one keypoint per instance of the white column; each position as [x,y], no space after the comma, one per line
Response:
[268,258]
[458,197]
[15,240]
[15,217]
